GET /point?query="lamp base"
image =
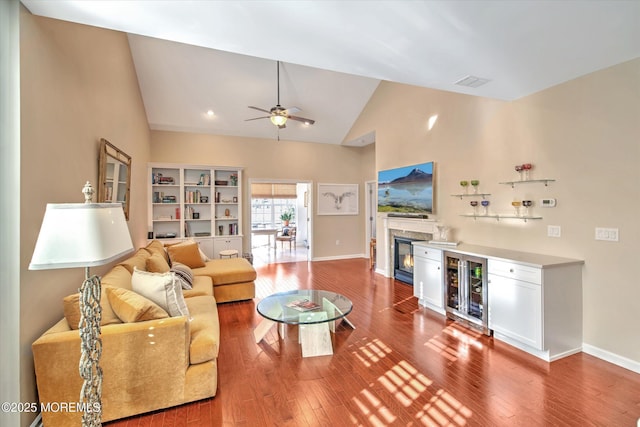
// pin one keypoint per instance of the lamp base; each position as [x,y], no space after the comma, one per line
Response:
[91,351]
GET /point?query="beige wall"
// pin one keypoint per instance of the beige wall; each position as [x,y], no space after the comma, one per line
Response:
[78,84]
[270,159]
[584,133]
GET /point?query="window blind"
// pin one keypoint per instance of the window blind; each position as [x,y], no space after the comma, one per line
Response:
[266,190]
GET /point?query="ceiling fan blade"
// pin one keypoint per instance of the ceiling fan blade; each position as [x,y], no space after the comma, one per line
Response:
[301,119]
[260,109]
[258,118]
[292,110]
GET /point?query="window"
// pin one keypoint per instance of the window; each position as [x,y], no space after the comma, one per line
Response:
[265,213]
[269,201]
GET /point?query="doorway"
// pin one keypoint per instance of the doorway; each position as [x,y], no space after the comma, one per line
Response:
[276,238]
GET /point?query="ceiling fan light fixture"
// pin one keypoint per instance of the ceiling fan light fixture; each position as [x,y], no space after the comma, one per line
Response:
[278,120]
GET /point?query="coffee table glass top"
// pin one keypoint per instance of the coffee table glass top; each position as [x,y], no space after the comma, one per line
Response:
[287,307]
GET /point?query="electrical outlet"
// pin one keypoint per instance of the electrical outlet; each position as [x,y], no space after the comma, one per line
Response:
[608,234]
[554,231]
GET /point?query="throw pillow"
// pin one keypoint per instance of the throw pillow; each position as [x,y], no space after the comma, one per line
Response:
[71,310]
[183,274]
[187,253]
[285,231]
[156,263]
[161,288]
[156,247]
[131,307]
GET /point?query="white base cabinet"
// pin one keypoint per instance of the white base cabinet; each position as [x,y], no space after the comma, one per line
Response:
[427,277]
[226,243]
[538,310]
[534,301]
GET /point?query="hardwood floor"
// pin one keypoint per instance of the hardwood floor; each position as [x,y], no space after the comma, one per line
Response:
[402,366]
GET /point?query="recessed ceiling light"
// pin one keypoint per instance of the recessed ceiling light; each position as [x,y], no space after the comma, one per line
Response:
[210,113]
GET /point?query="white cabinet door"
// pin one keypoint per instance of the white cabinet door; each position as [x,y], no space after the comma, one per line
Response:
[427,278]
[433,293]
[206,245]
[225,243]
[515,309]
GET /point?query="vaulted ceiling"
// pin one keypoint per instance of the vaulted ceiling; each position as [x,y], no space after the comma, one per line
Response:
[196,56]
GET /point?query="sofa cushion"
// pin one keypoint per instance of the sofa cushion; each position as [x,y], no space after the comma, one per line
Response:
[202,285]
[118,277]
[187,253]
[162,289]
[139,260]
[183,274]
[205,329]
[156,247]
[131,307]
[71,309]
[228,270]
[157,263]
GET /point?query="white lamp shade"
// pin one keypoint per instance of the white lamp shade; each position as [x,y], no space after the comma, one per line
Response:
[81,235]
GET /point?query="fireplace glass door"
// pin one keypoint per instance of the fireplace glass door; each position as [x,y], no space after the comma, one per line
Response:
[403,260]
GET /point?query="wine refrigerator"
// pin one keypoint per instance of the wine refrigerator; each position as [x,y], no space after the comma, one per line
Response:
[465,284]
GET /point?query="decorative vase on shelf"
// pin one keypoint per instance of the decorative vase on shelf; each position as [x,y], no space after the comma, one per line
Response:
[485,206]
[443,232]
[465,186]
[516,204]
[474,205]
[518,169]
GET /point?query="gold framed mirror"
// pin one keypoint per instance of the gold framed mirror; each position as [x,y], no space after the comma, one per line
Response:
[115,176]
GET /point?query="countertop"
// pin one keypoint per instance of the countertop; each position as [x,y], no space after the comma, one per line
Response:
[523,258]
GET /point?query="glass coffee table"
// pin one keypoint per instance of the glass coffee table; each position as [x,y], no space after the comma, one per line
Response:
[314,311]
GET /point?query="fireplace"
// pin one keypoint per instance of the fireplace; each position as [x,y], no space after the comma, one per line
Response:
[403,259]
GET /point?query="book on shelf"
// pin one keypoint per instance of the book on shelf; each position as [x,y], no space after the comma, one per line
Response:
[303,305]
[192,196]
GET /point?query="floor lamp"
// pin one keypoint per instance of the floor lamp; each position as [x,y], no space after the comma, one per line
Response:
[84,235]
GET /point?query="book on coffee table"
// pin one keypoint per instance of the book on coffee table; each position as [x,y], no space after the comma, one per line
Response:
[303,305]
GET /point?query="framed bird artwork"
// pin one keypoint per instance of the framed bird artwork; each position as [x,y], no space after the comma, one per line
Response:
[337,199]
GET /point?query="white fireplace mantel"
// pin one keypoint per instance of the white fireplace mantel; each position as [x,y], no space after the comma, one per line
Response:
[384,244]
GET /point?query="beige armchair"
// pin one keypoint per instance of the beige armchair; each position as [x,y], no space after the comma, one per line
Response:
[287,234]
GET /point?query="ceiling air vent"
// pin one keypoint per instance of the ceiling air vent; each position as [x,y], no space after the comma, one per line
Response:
[472,81]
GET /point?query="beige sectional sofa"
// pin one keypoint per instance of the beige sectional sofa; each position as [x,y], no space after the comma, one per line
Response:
[151,359]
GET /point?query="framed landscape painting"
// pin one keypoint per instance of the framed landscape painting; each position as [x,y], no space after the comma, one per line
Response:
[337,199]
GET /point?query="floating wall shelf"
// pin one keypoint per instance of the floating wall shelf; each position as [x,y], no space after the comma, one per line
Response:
[528,181]
[499,217]
[483,195]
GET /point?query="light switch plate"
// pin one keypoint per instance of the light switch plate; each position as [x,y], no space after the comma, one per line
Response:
[554,231]
[608,234]
[547,203]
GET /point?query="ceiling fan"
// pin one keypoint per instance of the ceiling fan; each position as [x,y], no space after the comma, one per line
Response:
[278,114]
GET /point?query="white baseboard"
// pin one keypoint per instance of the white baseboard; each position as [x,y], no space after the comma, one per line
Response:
[616,359]
[338,257]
